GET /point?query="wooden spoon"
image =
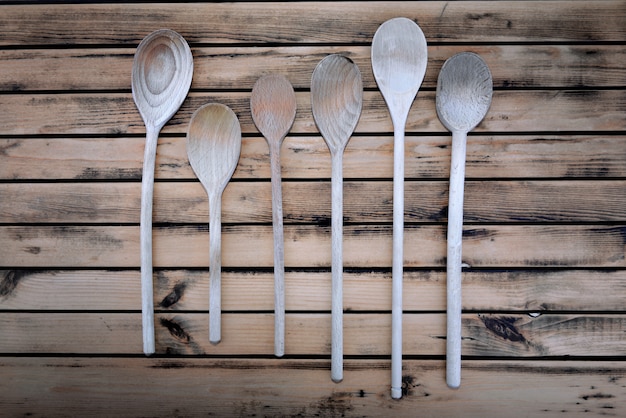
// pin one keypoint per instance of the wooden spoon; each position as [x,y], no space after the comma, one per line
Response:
[162,72]
[336,101]
[399,59]
[213,148]
[273,107]
[464,90]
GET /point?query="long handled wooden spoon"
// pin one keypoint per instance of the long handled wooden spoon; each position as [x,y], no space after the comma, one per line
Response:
[162,73]
[399,59]
[273,107]
[336,101]
[464,90]
[213,148]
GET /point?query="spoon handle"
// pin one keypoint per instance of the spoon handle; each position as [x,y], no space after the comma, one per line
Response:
[397,260]
[453,279]
[215,268]
[279,253]
[145,233]
[336,369]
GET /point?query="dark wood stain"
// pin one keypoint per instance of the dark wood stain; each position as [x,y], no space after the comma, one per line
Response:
[504,327]
[176,330]
[174,296]
[10,280]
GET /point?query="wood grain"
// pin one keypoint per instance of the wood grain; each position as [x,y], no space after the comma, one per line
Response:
[512,111]
[58,386]
[503,201]
[309,246]
[342,22]
[366,334]
[527,156]
[523,290]
[238,67]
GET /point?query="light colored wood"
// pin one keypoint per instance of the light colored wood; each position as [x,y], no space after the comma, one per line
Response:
[560,157]
[399,58]
[523,290]
[464,90]
[61,386]
[521,111]
[502,201]
[238,67]
[312,22]
[306,246]
[273,109]
[161,77]
[336,102]
[309,334]
[213,147]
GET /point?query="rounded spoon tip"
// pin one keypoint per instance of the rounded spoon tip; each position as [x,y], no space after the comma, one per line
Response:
[464,92]
[161,76]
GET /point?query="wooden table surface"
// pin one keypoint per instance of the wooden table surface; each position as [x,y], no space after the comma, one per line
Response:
[544,238]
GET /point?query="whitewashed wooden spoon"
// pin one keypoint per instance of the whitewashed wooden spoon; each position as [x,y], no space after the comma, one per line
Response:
[273,108]
[399,58]
[336,102]
[161,77]
[464,90]
[213,149]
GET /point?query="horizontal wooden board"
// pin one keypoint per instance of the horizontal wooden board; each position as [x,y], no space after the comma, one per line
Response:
[310,22]
[493,156]
[57,387]
[365,334]
[309,246]
[510,111]
[309,202]
[423,290]
[235,67]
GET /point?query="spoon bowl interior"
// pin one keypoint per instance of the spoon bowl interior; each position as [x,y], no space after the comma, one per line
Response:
[273,106]
[399,57]
[336,99]
[214,145]
[464,91]
[161,76]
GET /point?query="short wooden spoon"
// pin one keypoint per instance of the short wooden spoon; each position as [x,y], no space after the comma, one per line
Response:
[213,148]
[162,73]
[273,107]
[336,101]
[399,59]
[464,90]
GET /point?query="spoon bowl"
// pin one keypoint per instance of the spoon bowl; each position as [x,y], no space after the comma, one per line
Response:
[161,77]
[162,73]
[213,149]
[336,102]
[399,58]
[464,90]
[273,108]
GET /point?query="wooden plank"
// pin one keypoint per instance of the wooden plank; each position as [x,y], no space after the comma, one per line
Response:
[424,290]
[365,334]
[309,246]
[511,111]
[235,67]
[493,156]
[250,202]
[58,387]
[310,22]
